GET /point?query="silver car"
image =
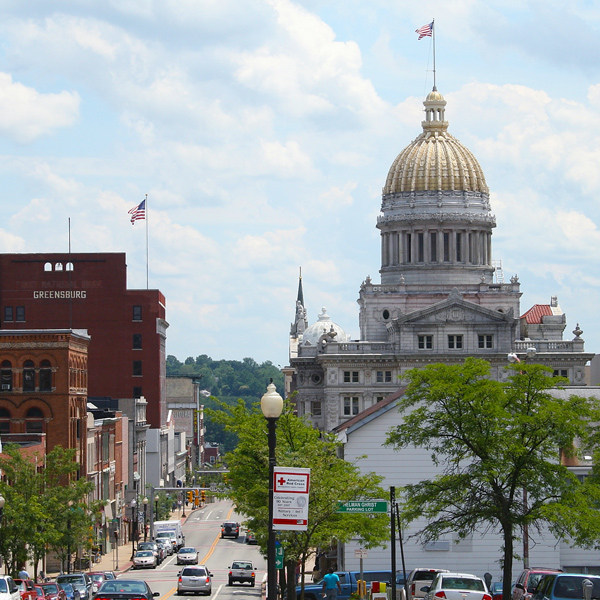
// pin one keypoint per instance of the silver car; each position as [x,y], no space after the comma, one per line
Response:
[195,579]
[144,559]
[187,556]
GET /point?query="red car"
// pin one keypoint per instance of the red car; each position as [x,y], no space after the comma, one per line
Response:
[26,588]
[40,593]
[53,592]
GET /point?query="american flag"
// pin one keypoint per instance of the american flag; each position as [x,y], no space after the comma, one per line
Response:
[425,31]
[138,212]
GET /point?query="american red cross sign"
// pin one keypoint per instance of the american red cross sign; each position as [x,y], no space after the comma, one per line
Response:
[290,498]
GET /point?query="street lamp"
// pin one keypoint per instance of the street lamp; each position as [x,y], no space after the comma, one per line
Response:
[2,503]
[133,525]
[271,405]
[156,499]
[145,501]
[69,504]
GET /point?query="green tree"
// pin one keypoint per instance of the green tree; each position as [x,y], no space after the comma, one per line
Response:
[35,515]
[332,480]
[492,440]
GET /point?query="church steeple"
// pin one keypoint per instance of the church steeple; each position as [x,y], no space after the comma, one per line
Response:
[300,297]
[300,321]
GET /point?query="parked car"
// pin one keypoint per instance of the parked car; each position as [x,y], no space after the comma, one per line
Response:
[8,588]
[71,592]
[241,571]
[530,577]
[125,589]
[496,590]
[80,581]
[39,590]
[98,578]
[230,529]
[565,586]
[144,559]
[456,586]
[195,579]
[26,589]
[166,545]
[53,592]
[154,547]
[187,556]
[109,574]
[251,538]
[420,578]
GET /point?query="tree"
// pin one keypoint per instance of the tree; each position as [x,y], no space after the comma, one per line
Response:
[332,479]
[492,440]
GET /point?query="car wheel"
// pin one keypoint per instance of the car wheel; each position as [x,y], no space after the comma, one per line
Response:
[252,584]
[230,582]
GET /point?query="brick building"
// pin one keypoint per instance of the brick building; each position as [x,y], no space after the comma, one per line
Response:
[43,389]
[89,291]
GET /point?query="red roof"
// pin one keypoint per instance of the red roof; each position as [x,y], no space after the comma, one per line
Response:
[536,312]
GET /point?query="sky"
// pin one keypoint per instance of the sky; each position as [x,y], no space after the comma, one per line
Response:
[262,132]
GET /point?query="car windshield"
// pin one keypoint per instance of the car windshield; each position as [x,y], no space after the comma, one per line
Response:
[462,583]
[144,553]
[572,587]
[116,586]
[187,551]
[69,579]
[97,576]
[50,588]
[241,565]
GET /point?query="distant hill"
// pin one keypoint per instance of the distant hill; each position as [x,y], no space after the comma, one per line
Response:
[227,380]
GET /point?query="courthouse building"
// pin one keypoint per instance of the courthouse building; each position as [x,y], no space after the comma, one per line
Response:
[89,291]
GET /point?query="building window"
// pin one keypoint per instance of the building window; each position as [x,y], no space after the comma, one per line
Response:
[433,246]
[485,341]
[137,391]
[8,313]
[20,313]
[34,420]
[379,398]
[315,408]
[137,368]
[45,376]
[560,373]
[384,376]
[421,247]
[350,406]
[425,342]
[408,247]
[350,376]
[459,252]
[137,341]
[28,376]
[455,342]
[446,247]
[137,312]
[6,375]
[4,421]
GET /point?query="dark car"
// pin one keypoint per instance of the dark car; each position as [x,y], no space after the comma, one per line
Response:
[565,586]
[230,529]
[124,589]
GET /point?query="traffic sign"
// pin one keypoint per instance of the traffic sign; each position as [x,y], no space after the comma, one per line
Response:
[363,506]
[279,557]
[361,553]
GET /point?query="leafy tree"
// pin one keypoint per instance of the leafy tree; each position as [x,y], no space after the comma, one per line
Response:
[332,480]
[492,440]
[35,513]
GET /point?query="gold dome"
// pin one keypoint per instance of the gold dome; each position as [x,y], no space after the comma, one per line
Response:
[435,160]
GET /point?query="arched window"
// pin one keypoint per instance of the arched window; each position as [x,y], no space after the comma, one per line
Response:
[4,421]
[58,267]
[28,376]
[69,266]
[34,421]
[45,376]
[6,376]
[48,267]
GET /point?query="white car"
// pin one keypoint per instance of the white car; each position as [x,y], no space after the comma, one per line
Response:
[457,586]
[8,588]
[144,559]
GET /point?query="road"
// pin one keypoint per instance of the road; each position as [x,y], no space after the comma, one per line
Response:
[202,529]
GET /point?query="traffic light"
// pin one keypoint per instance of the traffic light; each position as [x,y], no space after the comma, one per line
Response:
[224,477]
[190,496]
[196,498]
[203,496]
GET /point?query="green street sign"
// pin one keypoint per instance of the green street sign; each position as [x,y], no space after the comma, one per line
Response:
[279,557]
[363,506]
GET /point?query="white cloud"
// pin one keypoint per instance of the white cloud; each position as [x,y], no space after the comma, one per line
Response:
[26,114]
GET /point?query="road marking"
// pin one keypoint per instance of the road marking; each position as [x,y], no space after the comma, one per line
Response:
[214,544]
[169,593]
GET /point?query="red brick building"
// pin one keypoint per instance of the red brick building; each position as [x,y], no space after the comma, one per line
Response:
[43,381]
[89,291]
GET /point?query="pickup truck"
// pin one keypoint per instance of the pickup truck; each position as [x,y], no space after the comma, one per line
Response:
[348,584]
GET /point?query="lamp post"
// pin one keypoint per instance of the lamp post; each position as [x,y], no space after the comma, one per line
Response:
[271,405]
[145,501]
[2,503]
[133,525]
[156,499]
[69,504]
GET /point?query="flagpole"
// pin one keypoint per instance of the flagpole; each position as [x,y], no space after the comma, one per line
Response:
[433,36]
[147,219]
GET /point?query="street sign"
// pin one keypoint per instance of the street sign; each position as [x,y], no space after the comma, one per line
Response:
[363,506]
[291,487]
[361,553]
[279,557]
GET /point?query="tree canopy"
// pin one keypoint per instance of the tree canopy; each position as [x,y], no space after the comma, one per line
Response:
[227,381]
[492,440]
[332,479]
